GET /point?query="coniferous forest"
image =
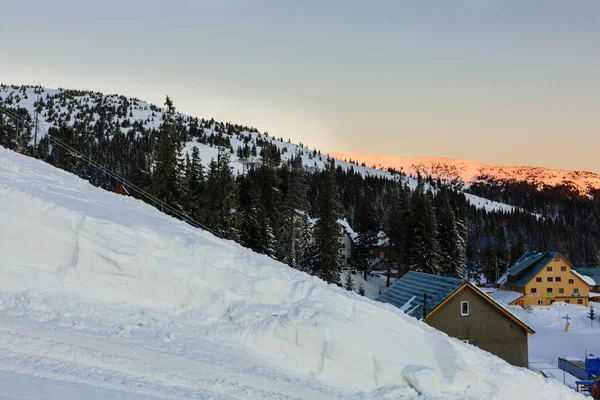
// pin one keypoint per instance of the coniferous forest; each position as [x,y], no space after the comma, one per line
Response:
[431,227]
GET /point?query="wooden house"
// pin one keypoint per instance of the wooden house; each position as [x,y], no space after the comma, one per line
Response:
[120,189]
[461,310]
[542,278]
[592,277]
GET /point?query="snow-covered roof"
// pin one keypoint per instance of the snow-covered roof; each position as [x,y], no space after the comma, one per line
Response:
[592,294]
[382,239]
[353,235]
[584,278]
[505,297]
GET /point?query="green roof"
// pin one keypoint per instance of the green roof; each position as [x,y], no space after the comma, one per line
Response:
[407,294]
[526,267]
[412,286]
[593,273]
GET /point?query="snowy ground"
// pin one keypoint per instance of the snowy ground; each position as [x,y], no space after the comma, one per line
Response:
[551,341]
[101,296]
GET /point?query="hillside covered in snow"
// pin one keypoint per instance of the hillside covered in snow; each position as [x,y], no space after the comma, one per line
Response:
[101,293]
[469,172]
[109,114]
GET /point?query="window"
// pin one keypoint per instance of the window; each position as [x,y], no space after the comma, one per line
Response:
[563,268]
[538,279]
[561,290]
[549,290]
[550,279]
[558,279]
[471,341]
[343,245]
[571,281]
[567,301]
[557,258]
[575,290]
[549,269]
[540,302]
[464,308]
[533,290]
[343,256]
[579,301]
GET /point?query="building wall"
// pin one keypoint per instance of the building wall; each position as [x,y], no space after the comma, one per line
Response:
[345,250]
[541,294]
[493,331]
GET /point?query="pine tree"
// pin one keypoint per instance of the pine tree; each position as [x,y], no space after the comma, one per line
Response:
[423,246]
[308,259]
[60,155]
[368,227]
[361,290]
[452,244]
[295,199]
[327,230]
[349,282]
[166,177]
[592,315]
[397,228]
[195,185]
[220,197]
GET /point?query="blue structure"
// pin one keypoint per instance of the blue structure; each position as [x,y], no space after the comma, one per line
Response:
[587,372]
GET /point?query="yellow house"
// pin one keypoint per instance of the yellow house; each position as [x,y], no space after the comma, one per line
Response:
[543,278]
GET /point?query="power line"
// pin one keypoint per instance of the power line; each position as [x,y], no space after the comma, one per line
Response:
[144,194]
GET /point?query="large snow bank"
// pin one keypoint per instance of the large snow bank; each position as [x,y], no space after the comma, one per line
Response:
[72,252]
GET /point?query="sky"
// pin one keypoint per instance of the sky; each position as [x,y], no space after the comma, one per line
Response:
[497,81]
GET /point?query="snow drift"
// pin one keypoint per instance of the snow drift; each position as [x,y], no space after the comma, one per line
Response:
[103,289]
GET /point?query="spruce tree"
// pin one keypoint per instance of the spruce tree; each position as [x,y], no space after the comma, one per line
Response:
[349,282]
[361,290]
[327,229]
[423,246]
[368,227]
[452,244]
[166,176]
[592,315]
[397,227]
[220,197]
[295,199]
[195,185]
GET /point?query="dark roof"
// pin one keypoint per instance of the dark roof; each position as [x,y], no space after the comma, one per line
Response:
[593,273]
[526,267]
[415,284]
[412,286]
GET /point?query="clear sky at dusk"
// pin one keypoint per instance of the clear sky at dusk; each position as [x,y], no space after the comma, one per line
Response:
[499,81]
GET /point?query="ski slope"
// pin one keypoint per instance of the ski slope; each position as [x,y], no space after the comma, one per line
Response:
[102,294]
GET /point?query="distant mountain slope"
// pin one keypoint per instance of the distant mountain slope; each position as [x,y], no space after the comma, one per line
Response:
[106,294]
[469,172]
[128,114]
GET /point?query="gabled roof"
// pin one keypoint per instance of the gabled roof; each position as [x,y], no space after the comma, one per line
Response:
[526,268]
[440,289]
[414,284]
[593,273]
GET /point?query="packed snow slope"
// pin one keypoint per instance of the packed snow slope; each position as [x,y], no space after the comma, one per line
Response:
[121,113]
[468,172]
[101,291]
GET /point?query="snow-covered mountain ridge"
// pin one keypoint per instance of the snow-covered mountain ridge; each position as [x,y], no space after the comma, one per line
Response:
[468,172]
[126,115]
[105,293]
